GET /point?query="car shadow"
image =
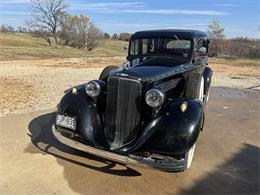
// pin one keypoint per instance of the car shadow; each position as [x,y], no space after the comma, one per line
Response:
[238,175]
[43,139]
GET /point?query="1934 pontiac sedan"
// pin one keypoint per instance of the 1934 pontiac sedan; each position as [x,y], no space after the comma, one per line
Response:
[150,111]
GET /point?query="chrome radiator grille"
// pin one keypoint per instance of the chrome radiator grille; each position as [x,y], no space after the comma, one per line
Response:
[122,111]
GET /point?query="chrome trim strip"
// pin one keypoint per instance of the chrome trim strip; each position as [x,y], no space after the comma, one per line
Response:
[166,165]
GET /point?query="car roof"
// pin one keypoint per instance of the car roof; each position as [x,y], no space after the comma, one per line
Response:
[170,32]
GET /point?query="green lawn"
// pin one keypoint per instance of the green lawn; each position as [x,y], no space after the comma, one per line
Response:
[16,46]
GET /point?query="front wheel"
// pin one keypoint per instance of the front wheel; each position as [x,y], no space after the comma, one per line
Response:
[189,157]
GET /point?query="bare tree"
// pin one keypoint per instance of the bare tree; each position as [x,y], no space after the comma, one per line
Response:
[106,36]
[115,36]
[215,30]
[124,36]
[46,17]
[68,28]
[21,29]
[80,32]
[94,34]
[43,34]
[5,28]
[216,33]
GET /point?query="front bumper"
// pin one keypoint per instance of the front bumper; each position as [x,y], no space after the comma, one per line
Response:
[165,165]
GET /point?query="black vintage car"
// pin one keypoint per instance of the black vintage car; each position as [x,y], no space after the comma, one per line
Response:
[148,112]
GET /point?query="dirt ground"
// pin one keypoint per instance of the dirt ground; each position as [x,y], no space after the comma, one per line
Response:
[32,85]
[226,160]
[34,162]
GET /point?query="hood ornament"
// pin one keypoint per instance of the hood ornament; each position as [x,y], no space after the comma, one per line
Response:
[124,75]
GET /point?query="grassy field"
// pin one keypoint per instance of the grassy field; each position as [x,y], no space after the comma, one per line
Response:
[22,46]
[236,62]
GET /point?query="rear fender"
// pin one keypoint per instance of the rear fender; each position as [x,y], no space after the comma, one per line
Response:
[207,74]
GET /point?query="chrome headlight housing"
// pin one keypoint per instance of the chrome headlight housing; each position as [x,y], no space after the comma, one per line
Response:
[154,98]
[93,88]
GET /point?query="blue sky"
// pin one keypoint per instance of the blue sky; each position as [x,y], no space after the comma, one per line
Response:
[239,17]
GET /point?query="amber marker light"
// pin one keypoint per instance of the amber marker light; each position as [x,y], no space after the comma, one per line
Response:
[183,106]
[74,90]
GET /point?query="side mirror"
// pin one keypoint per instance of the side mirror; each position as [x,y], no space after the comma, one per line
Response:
[202,51]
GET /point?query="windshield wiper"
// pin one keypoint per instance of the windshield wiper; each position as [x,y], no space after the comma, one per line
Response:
[145,61]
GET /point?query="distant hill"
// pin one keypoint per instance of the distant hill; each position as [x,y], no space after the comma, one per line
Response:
[19,46]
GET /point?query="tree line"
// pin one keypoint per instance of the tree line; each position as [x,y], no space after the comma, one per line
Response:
[124,36]
[240,47]
[50,21]
[231,48]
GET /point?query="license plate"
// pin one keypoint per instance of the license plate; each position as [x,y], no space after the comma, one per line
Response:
[66,121]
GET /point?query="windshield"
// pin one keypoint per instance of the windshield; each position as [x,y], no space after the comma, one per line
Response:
[176,50]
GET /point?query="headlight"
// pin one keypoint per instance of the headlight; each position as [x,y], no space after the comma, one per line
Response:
[154,98]
[93,88]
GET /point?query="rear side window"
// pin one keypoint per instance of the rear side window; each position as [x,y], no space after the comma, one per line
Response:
[134,47]
[146,46]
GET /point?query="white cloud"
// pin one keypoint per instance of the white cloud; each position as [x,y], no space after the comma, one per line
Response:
[138,7]
[5,2]
[133,27]
[107,6]
[177,11]
[13,13]
[226,5]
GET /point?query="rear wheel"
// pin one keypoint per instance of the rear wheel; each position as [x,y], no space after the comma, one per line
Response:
[207,96]
[106,71]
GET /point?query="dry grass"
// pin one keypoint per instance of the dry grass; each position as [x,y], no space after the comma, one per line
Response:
[236,62]
[22,46]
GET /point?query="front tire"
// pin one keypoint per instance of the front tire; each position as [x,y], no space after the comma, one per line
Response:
[194,90]
[189,157]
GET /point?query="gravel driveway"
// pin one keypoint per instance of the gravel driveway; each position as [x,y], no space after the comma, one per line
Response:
[33,85]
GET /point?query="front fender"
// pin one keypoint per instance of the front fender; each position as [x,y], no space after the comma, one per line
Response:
[88,121]
[174,132]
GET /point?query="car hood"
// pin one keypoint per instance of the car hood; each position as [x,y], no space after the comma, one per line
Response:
[151,73]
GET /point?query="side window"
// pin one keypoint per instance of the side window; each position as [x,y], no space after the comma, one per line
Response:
[134,47]
[198,56]
[200,43]
[178,44]
[147,46]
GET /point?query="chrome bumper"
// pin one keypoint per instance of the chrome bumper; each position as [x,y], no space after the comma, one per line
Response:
[166,165]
